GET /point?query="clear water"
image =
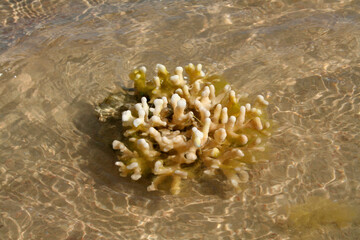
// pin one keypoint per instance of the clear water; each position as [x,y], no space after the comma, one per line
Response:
[59,58]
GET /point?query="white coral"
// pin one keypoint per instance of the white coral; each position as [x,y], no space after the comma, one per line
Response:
[197,125]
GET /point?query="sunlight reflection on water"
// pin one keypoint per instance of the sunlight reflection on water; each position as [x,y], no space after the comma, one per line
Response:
[58,59]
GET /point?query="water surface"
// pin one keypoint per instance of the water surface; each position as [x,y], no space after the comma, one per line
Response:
[59,58]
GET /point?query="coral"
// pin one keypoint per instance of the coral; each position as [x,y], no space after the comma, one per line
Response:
[188,126]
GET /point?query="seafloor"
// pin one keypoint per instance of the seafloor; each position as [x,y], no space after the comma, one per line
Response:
[59,58]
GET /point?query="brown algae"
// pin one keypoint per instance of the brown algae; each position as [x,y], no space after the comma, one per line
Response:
[319,211]
[185,127]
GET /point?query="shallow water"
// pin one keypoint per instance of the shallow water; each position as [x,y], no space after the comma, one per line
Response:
[58,59]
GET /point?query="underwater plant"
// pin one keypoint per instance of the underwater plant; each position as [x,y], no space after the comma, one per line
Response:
[320,211]
[185,127]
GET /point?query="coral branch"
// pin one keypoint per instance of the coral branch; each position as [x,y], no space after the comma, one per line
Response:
[187,124]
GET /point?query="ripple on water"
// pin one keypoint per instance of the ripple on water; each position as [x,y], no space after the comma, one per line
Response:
[59,58]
